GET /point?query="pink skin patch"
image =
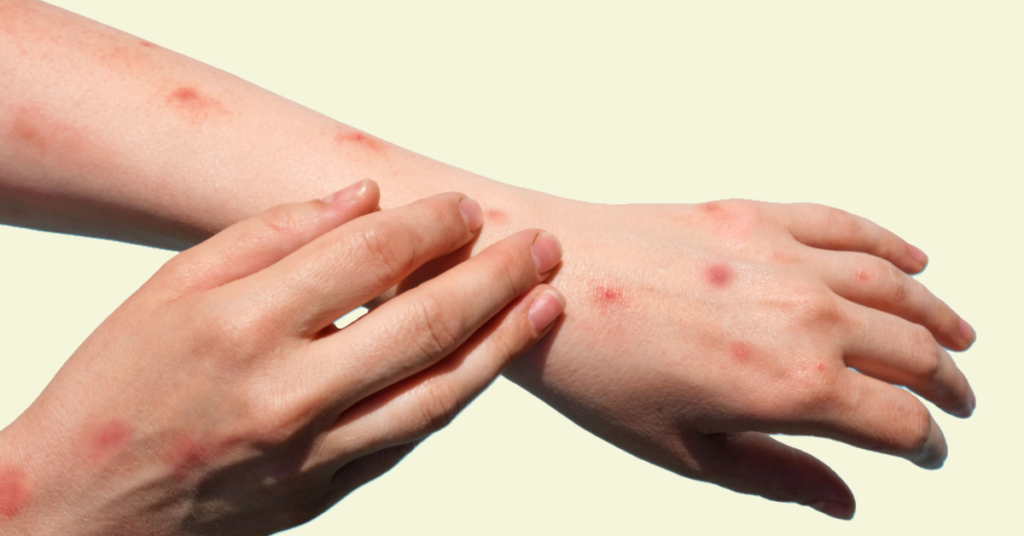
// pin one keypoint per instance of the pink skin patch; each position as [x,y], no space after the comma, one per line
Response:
[718,275]
[820,366]
[194,105]
[109,440]
[606,295]
[147,44]
[497,217]
[14,495]
[863,276]
[362,139]
[739,351]
[711,207]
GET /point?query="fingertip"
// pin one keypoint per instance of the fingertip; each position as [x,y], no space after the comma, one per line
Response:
[472,213]
[919,256]
[349,193]
[835,509]
[545,309]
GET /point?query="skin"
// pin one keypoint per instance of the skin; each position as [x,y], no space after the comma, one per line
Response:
[732,319]
[221,399]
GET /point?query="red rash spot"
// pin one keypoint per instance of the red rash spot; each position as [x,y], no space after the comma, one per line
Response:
[362,139]
[195,106]
[13,492]
[147,44]
[711,207]
[863,276]
[497,216]
[820,366]
[718,275]
[110,440]
[184,454]
[739,351]
[606,295]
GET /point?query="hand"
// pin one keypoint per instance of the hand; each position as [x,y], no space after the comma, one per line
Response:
[703,328]
[221,399]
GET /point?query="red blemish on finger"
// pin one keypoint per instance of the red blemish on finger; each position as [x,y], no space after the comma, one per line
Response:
[361,139]
[194,105]
[820,366]
[497,216]
[185,454]
[718,274]
[863,276]
[739,351]
[711,207]
[109,440]
[14,494]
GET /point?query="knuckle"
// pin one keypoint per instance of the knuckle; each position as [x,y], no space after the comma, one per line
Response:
[813,308]
[926,359]
[392,254]
[438,326]
[281,220]
[897,285]
[440,404]
[917,432]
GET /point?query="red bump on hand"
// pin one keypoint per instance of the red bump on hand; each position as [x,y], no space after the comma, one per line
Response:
[739,351]
[14,493]
[109,440]
[718,274]
[496,216]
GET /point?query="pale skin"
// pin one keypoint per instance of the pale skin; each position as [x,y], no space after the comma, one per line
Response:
[691,331]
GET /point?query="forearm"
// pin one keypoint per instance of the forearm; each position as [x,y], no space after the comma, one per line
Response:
[108,135]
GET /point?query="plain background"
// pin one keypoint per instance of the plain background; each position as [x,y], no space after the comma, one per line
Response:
[908,113]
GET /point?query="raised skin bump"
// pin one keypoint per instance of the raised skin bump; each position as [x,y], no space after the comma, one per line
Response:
[195,106]
[109,440]
[351,136]
[739,351]
[496,216]
[718,274]
[14,494]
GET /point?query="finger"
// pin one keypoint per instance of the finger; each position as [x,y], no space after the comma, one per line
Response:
[256,243]
[366,469]
[824,227]
[896,351]
[347,267]
[871,414]
[751,462]
[418,328]
[427,402]
[876,283]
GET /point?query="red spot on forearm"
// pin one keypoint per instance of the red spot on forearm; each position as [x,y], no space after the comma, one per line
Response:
[351,137]
[108,440]
[146,44]
[195,106]
[739,351]
[14,494]
[606,296]
[496,216]
[718,274]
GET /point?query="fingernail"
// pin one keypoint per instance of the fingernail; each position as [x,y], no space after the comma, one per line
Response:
[966,331]
[544,310]
[546,252]
[917,254]
[834,509]
[472,213]
[347,193]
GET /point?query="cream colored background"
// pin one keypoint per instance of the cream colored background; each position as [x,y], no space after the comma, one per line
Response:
[909,113]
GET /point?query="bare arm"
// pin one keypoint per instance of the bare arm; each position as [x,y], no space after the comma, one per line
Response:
[105,129]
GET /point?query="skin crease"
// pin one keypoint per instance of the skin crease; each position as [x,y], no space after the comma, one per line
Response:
[792,294]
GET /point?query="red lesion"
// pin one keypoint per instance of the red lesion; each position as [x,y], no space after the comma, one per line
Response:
[820,366]
[863,276]
[739,351]
[606,295]
[147,44]
[496,216]
[348,136]
[718,274]
[109,440]
[186,454]
[195,105]
[14,493]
